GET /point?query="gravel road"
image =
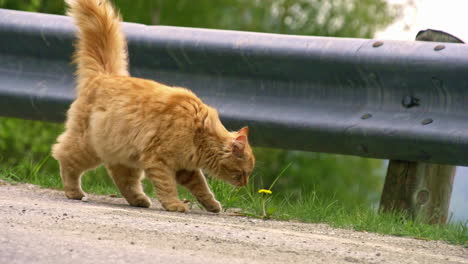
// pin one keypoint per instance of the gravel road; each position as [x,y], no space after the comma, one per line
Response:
[42,226]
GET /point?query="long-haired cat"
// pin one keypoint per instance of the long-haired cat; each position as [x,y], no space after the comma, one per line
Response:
[139,127]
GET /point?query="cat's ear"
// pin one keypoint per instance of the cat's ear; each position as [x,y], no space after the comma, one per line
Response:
[243,131]
[238,146]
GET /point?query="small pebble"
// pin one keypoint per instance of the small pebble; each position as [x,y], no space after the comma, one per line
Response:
[351,259]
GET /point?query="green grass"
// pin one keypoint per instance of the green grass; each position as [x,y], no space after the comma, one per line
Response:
[308,207]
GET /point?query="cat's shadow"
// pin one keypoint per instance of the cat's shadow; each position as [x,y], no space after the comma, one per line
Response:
[121,204]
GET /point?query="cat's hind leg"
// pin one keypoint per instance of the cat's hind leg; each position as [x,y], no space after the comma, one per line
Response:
[128,180]
[75,157]
[195,182]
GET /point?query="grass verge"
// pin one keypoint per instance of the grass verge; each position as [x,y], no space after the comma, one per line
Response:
[307,207]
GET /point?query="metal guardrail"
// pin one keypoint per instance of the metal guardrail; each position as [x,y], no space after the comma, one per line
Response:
[393,99]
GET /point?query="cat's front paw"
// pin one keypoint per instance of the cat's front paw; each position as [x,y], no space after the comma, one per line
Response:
[176,207]
[140,201]
[75,194]
[212,206]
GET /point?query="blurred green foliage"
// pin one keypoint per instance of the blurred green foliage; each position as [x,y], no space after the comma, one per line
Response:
[27,141]
[43,6]
[350,180]
[341,18]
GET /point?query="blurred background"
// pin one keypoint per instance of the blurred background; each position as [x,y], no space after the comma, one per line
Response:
[349,180]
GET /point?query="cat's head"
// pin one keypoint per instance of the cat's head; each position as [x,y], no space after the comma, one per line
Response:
[239,161]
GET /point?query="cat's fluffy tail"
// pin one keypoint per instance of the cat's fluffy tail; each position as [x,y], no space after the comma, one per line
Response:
[101,46]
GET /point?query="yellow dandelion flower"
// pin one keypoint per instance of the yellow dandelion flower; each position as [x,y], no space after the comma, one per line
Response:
[264,191]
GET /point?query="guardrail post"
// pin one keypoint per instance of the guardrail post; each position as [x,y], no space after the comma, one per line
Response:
[419,189]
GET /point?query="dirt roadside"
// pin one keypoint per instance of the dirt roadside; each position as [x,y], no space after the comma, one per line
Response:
[42,226]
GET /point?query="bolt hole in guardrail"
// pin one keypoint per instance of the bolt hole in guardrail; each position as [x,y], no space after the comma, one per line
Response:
[409,101]
[439,47]
[427,121]
[377,44]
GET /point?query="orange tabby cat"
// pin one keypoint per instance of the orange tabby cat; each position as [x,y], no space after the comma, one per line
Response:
[135,125]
